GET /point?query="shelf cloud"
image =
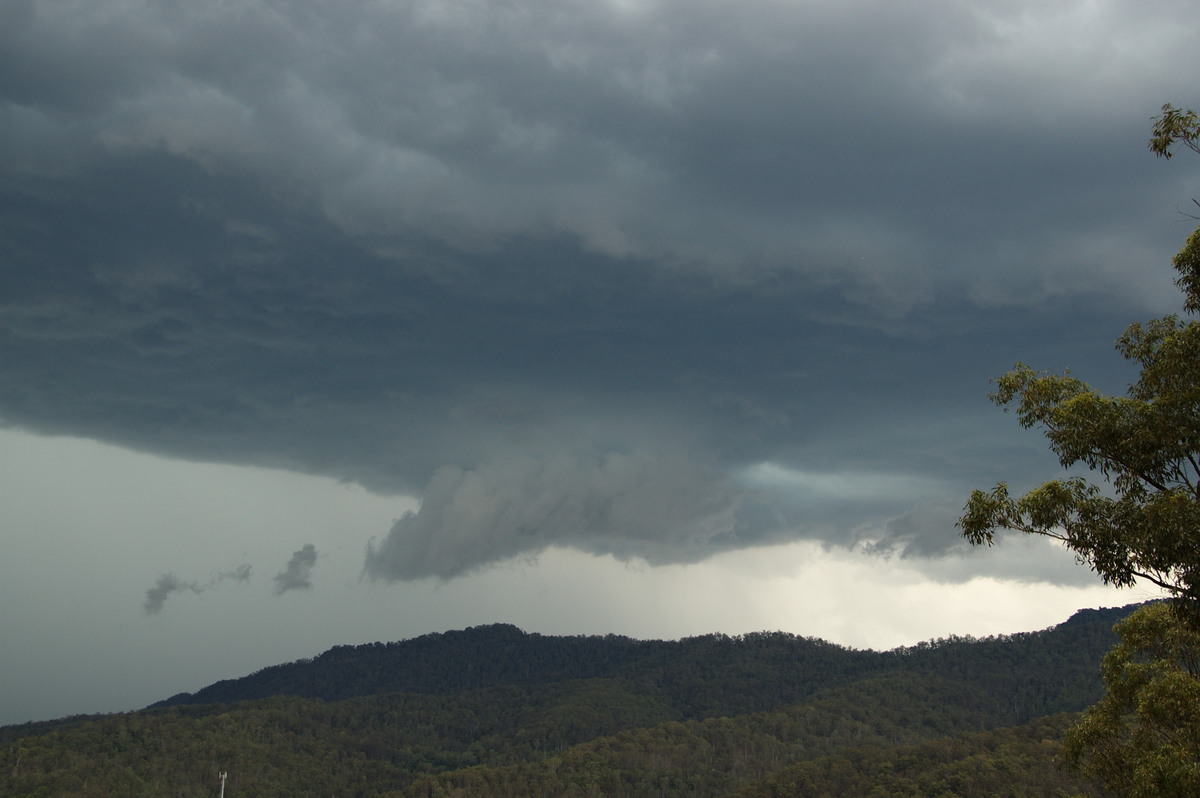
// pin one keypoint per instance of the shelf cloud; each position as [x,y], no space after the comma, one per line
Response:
[567,272]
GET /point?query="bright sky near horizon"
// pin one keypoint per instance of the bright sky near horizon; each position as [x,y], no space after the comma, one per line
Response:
[330,323]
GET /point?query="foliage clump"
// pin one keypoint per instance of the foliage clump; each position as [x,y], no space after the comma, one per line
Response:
[1140,520]
[1143,738]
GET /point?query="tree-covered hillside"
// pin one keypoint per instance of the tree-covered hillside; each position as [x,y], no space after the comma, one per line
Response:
[697,677]
[495,711]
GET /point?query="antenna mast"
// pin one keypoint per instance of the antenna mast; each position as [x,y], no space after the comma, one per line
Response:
[222,776]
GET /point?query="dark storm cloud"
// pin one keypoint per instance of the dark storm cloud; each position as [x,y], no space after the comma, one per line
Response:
[298,573]
[649,279]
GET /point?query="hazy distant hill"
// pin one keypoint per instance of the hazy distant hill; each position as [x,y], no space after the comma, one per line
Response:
[493,710]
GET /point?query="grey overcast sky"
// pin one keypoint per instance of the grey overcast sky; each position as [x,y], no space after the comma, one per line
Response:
[327,323]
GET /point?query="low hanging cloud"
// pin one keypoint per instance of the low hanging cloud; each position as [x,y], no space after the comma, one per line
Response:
[298,573]
[662,508]
[926,530]
[169,584]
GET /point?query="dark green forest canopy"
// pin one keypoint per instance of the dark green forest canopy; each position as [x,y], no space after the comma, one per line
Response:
[496,711]
[787,667]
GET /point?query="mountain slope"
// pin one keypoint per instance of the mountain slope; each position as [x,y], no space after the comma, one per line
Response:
[698,676]
[494,711]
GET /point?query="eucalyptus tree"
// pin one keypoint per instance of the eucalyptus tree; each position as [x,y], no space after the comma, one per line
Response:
[1136,517]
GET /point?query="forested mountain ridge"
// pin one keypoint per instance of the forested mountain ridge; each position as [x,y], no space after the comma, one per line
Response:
[767,668]
[496,711]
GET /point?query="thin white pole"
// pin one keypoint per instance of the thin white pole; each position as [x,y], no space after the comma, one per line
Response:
[222,776]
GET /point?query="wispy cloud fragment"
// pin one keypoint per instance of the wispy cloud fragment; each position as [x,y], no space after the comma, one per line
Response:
[298,573]
[169,583]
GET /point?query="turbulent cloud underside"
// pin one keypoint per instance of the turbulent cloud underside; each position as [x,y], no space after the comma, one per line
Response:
[572,271]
